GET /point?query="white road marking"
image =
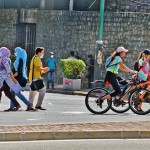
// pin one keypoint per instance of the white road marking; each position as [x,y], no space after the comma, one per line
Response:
[73,112]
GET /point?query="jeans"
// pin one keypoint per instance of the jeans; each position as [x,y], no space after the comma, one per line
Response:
[50,77]
[22,97]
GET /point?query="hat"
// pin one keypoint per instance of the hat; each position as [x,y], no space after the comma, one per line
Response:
[51,53]
[147,52]
[121,49]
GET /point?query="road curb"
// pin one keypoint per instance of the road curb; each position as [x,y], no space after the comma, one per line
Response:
[30,136]
[60,91]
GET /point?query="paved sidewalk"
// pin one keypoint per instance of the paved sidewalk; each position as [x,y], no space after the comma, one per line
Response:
[114,130]
[59,89]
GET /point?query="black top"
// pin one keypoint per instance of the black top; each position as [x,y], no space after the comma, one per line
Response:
[22,81]
[91,68]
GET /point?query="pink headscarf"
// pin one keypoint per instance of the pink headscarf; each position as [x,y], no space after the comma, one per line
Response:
[5,52]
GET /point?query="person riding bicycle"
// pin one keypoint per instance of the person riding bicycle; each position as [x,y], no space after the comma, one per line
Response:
[143,68]
[115,64]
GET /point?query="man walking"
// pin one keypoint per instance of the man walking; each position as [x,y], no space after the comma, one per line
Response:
[36,69]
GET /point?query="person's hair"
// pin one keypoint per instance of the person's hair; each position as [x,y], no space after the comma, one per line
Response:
[114,54]
[90,56]
[72,53]
[140,55]
[38,49]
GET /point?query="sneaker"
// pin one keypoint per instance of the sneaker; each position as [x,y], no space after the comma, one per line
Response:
[118,102]
[136,103]
[99,101]
[39,107]
[9,109]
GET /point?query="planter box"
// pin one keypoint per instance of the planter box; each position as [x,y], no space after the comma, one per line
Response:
[71,84]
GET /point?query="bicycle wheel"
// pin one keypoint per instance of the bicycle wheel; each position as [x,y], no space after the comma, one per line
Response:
[92,104]
[124,107]
[139,101]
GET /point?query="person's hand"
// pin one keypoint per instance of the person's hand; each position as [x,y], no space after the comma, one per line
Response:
[46,69]
[128,81]
[14,80]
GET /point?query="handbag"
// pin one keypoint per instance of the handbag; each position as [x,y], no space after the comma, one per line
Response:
[37,85]
[22,81]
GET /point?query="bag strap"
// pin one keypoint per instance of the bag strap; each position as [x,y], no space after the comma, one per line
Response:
[33,68]
[110,63]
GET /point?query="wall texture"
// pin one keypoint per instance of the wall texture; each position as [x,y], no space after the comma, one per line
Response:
[8,20]
[63,31]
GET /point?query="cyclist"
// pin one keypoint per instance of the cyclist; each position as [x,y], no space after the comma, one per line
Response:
[143,68]
[115,64]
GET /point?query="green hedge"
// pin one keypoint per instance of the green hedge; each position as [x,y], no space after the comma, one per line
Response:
[72,68]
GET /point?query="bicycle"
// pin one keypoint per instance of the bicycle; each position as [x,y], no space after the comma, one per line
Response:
[92,96]
[139,100]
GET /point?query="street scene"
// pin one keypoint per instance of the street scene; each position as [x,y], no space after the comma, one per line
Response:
[74,74]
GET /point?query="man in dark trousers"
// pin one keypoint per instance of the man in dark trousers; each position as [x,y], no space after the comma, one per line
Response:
[90,74]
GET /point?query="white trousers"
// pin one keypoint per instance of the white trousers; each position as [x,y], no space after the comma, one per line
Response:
[32,95]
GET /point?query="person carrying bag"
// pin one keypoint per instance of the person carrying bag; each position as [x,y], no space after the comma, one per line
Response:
[37,84]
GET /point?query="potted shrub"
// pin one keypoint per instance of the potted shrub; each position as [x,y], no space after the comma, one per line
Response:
[72,70]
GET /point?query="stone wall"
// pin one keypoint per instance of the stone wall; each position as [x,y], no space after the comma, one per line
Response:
[8,20]
[63,31]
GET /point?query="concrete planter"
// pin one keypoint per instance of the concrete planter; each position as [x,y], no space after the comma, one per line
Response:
[71,84]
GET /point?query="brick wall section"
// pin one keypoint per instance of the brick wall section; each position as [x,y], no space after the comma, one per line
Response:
[8,19]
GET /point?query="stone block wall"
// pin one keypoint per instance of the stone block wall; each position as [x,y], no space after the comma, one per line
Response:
[8,18]
[63,31]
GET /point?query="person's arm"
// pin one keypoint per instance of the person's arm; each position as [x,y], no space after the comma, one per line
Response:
[12,77]
[125,68]
[6,63]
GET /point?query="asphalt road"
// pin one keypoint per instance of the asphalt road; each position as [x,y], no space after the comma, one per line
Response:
[128,144]
[61,109]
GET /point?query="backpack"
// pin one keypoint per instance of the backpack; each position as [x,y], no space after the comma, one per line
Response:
[136,68]
[108,62]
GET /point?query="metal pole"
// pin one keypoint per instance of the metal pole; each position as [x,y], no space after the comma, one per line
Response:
[99,42]
[101,19]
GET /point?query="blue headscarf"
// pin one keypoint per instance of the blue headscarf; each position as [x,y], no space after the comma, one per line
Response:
[18,54]
[24,57]
[21,54]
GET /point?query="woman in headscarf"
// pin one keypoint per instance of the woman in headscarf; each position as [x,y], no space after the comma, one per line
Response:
[20,76]
[7,80]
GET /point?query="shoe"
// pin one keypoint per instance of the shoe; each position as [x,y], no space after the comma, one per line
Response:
[136,103]
[118,102]
[30,108]
[9,109]
[39,107]
[99,101]
[17,108]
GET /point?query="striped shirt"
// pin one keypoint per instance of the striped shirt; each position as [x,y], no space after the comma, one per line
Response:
[143,73]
